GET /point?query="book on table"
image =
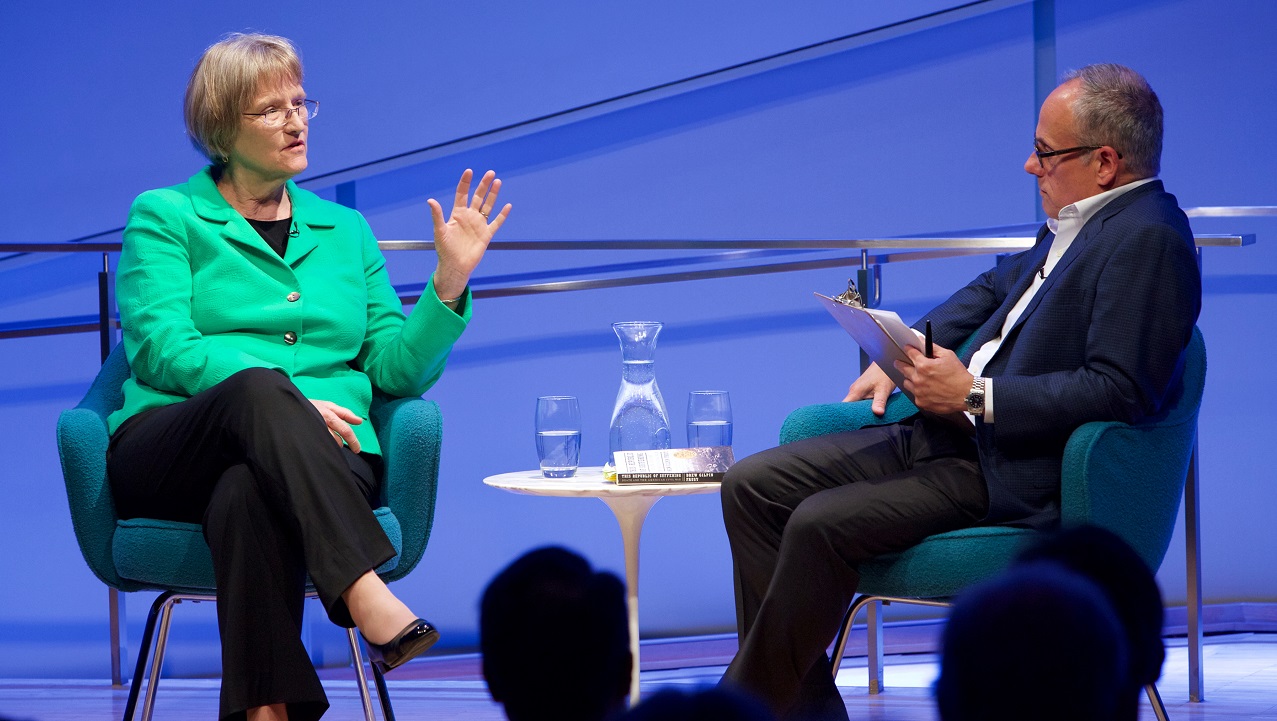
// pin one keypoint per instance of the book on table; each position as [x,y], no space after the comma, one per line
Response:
[673,465]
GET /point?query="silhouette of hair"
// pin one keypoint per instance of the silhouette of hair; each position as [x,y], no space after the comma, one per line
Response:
[713,703]
[1039,641]
[555,638]
[1129,585]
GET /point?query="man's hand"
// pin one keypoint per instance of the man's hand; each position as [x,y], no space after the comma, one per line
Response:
[875,384]
[940,384]
[339,421]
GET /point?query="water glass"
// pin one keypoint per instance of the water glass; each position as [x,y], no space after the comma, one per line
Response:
[709,419]
[558,429]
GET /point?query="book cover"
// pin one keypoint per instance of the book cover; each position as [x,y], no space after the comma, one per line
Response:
[673,465]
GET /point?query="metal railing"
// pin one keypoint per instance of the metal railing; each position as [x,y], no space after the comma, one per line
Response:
[731,258]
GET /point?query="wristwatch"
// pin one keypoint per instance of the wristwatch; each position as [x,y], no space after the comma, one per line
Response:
[975,399]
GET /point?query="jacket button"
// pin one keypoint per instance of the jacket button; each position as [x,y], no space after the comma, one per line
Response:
[290,337]
[292,297]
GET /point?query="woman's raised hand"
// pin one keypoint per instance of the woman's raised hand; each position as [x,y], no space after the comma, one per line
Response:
[462,239]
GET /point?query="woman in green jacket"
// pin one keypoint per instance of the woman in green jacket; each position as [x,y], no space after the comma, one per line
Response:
[258,319]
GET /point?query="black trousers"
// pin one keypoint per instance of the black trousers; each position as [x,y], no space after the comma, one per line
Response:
[802,517]
[253,462]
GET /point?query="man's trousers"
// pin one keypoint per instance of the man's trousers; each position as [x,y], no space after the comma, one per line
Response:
[802,517]
[252,460]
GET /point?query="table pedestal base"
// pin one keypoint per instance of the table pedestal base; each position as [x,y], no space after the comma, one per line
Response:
[630,512]
[629,503]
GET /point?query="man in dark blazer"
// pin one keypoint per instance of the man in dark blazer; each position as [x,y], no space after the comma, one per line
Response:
[1088,325]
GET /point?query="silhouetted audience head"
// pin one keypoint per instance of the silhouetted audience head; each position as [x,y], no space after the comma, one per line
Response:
[1039,641]
[555,638]
[1131,589]
[712,703]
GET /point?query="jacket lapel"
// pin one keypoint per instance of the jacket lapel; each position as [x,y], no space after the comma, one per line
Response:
[312,218]
[993,326]
[211,207]
[1084,238]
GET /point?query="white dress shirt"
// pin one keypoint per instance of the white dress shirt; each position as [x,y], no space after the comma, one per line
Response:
[1072,218]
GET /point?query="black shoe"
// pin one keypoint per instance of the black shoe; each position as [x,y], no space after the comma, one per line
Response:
[409,644]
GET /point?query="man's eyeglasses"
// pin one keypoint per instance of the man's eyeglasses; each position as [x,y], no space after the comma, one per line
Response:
[1043,154]
[276,117]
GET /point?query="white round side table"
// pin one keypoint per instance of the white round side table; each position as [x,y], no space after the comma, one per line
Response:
[629,503]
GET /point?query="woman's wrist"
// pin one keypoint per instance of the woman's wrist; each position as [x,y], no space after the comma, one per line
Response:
[449,291]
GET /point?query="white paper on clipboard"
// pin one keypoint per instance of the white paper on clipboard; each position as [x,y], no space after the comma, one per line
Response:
[879,333]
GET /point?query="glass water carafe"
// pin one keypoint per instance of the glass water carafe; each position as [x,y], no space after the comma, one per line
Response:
[639,420]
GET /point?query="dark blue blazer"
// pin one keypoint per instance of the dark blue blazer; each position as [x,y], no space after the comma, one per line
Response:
[1103,340]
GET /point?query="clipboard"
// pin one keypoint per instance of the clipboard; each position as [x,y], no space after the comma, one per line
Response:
[881,334]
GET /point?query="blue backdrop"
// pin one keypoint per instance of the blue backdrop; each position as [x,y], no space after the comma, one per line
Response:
[621,120]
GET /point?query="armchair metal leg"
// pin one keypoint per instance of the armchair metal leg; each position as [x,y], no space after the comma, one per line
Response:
[875,604]
[1193,570]
[875,647]
[161,610]
[143,652]
[383,693]
[1155,699]
[119,639]
[361,680]
[161,645]
[840,640]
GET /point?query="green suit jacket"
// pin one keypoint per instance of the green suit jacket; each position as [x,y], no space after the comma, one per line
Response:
[202,296]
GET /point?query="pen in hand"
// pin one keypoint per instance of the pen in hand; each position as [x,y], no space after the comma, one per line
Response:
[927,341]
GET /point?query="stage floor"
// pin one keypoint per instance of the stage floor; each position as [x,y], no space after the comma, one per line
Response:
[1241,683]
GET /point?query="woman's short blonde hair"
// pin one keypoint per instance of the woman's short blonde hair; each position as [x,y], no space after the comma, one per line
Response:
[227,77]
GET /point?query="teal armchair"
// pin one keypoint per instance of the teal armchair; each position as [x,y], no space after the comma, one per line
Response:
[150,554]
[1126,478]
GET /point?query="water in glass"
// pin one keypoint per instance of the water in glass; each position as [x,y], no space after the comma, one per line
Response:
[702,434]
[709,419]
[560,452]
[558,435]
